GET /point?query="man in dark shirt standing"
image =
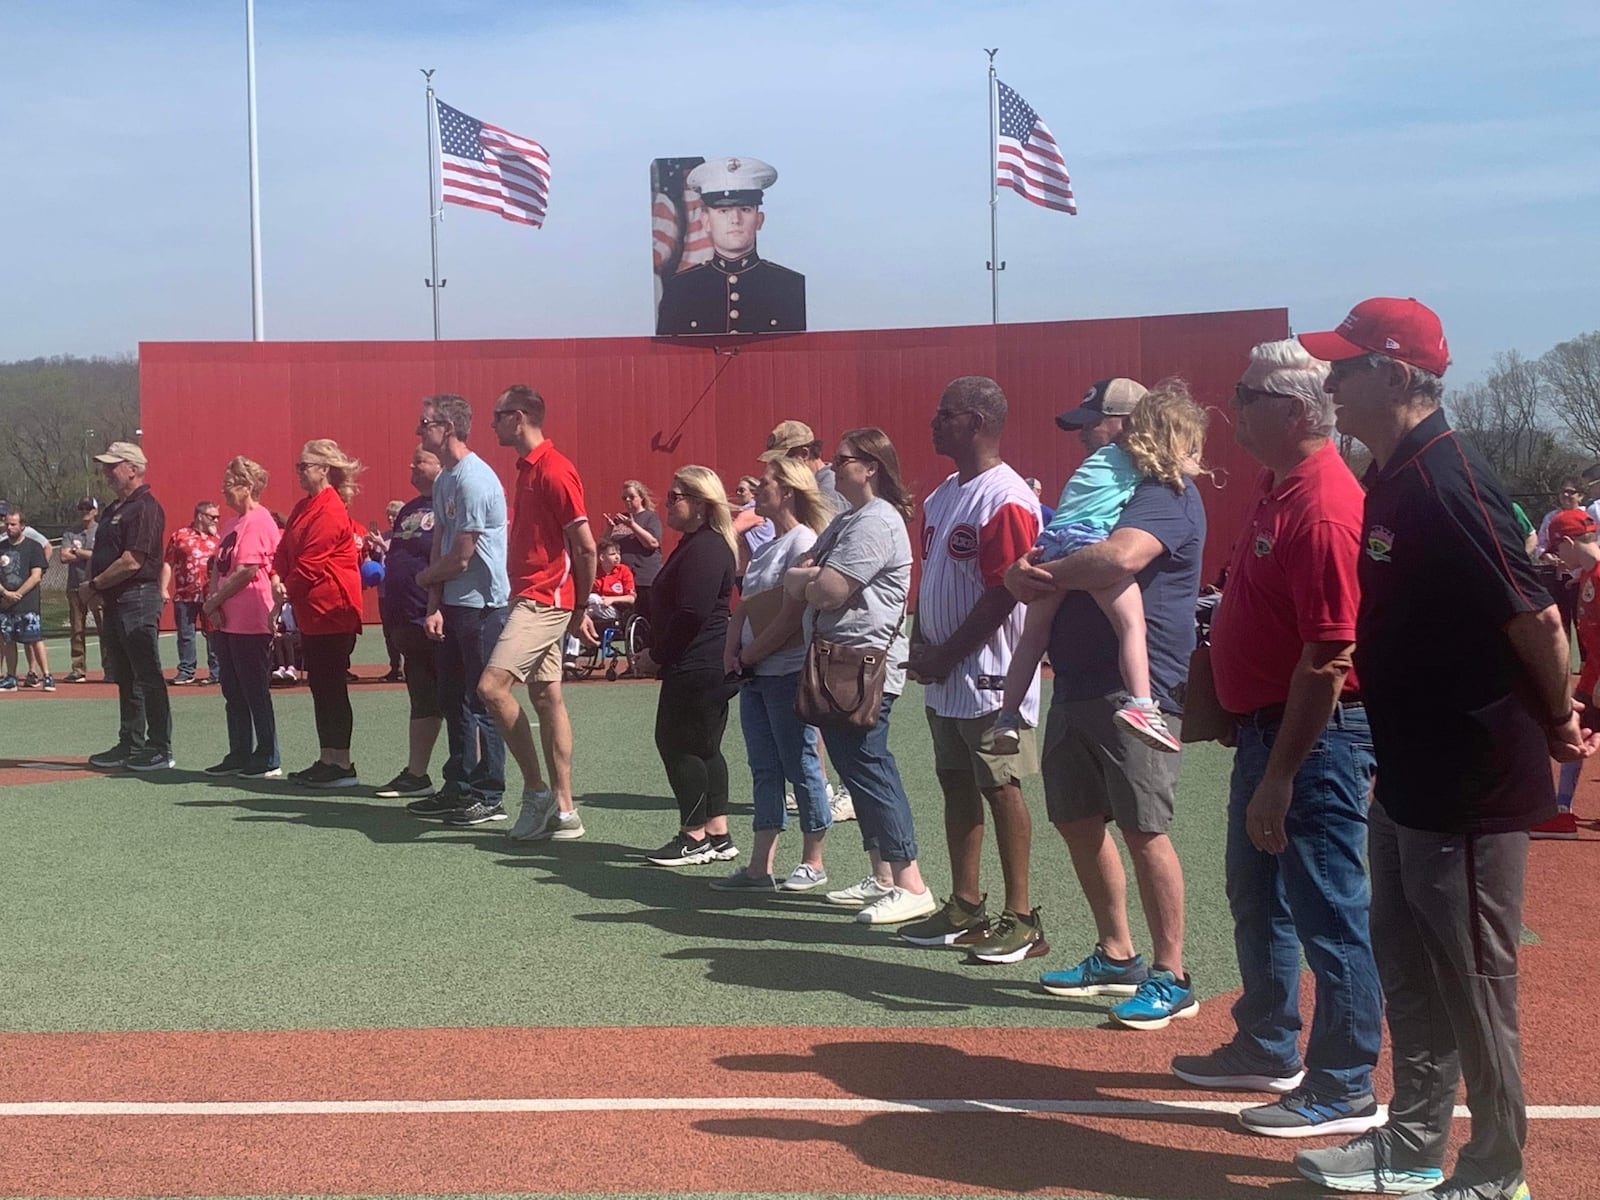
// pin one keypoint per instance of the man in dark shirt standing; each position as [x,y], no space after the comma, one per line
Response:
[124,580]
[1464,671]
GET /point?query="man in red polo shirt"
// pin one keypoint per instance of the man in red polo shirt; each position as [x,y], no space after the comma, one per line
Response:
[551,561]
[1281,646]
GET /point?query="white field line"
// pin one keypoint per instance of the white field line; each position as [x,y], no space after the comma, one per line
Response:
[762,1104]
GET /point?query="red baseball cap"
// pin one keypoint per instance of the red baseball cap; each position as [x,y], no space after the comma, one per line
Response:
[1406,330]
[1570,523]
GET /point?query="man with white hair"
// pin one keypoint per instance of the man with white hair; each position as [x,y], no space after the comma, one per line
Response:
[1281,645]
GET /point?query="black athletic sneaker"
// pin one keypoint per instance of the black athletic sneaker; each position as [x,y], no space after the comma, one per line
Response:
[441,804]
[406,784]
[684,851]
[476,813]
[329,775]
[227,766]
[150,760]
[722,847]
[107,759]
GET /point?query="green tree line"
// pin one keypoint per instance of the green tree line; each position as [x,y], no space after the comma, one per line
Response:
[58,413]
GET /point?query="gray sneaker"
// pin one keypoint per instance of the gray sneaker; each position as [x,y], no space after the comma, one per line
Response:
[743,881]
[567,827]
[1369,1163]
[535,816]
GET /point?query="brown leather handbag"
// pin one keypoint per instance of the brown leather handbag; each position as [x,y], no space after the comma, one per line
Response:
[841,687]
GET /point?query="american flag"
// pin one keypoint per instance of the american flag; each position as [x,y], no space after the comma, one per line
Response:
[1029,162]
[483,166]
[667,233]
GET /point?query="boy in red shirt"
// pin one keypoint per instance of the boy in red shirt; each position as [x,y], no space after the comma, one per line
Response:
[613,587]
[1572,537]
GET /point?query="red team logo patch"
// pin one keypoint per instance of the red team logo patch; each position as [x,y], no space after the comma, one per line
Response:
[962,542]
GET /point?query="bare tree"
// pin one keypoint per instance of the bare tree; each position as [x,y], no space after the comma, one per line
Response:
[57,414]
[1571,372]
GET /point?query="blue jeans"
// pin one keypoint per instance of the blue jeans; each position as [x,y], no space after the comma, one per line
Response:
[132,654]
[1313,896]
[187,615]
[781,746]
[864,763]
[246,662]
[477,763]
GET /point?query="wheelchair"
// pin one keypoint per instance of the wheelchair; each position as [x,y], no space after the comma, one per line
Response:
[623,639]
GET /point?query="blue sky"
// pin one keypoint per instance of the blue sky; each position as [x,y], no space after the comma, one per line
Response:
[1224,155]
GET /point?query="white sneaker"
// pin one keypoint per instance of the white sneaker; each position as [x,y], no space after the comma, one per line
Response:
[841,805]
[804,879]
[898,905]
[865,892]
[534,817]
[567,827]
[790,804]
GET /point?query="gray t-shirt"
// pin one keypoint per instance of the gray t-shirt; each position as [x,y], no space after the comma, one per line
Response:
[468,498]
[765,572]
[869,545]
[79,539]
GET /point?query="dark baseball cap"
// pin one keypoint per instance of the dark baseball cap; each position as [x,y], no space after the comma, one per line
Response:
[1107,398]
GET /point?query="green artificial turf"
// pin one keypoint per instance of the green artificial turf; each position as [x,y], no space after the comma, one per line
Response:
[174,901]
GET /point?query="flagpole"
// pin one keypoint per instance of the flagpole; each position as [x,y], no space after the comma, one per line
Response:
[435,284]
[258,318]
[994,264]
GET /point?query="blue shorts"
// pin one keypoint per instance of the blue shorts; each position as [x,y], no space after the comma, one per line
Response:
[1069,539]
[20,627]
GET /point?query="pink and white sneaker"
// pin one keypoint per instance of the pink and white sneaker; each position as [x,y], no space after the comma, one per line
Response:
[1149,726]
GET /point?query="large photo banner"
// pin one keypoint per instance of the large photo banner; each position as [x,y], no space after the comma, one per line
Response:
[705,214]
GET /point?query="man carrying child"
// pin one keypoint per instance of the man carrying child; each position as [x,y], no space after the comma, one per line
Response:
[1096,768]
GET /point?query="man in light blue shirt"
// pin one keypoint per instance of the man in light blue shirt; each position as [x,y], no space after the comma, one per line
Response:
[468,592]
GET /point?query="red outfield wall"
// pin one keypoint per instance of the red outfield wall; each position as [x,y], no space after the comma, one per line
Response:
[640,407]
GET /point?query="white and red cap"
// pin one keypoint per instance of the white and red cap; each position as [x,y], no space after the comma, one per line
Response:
[1406,330]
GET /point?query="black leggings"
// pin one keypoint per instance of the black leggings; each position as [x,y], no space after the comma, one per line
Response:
[327,658]
[691,714]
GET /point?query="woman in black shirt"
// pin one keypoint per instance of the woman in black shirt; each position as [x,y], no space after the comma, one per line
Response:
[688,626]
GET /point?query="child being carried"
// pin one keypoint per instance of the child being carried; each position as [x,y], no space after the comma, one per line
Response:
[1163,440]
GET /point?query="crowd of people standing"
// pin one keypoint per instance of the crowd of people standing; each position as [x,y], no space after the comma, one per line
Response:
[1382,795]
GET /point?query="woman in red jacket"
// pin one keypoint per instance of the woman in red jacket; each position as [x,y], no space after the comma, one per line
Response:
[319,562]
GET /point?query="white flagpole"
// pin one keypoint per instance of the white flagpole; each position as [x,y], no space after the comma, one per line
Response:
[994,264]
[435,284]
[258,318]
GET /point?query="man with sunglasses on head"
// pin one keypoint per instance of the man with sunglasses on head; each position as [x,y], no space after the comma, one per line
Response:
[1281,642]
[467,596]
[1465,677]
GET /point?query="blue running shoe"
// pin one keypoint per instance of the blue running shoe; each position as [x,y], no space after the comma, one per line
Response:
[1161,999]
[1097,975]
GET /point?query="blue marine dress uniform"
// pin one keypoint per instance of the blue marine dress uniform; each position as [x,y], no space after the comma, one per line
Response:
[747,294]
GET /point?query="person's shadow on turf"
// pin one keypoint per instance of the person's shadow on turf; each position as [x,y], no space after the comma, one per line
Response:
[1016,1153]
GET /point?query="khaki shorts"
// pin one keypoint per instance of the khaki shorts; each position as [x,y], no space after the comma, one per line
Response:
[529,649]
[1094,767]
[966,744]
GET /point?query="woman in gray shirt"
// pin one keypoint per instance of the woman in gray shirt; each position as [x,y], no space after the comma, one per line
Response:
[855,586]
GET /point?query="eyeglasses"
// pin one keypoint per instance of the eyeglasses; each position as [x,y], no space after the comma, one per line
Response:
[308,466]
[839,460]
[1244,396]
[674,495]
[505,412]
[947,414]
[1571,491]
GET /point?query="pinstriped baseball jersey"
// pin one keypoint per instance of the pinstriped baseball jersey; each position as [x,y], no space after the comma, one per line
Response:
[970,534]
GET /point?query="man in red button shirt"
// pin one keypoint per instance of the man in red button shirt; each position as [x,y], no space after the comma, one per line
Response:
[1281,646]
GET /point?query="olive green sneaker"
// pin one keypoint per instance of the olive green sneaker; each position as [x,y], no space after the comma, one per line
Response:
[1014,938]
[956,924]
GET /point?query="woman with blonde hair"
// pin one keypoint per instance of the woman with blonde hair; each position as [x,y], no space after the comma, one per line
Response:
[688,627]
[319,563]
[765,646]
[854,583]
[239,609]
[637,530]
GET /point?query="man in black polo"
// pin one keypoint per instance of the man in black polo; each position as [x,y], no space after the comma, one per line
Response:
[124,582]
[1463,667]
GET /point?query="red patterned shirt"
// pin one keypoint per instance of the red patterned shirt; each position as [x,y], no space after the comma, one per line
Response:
[188,553]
